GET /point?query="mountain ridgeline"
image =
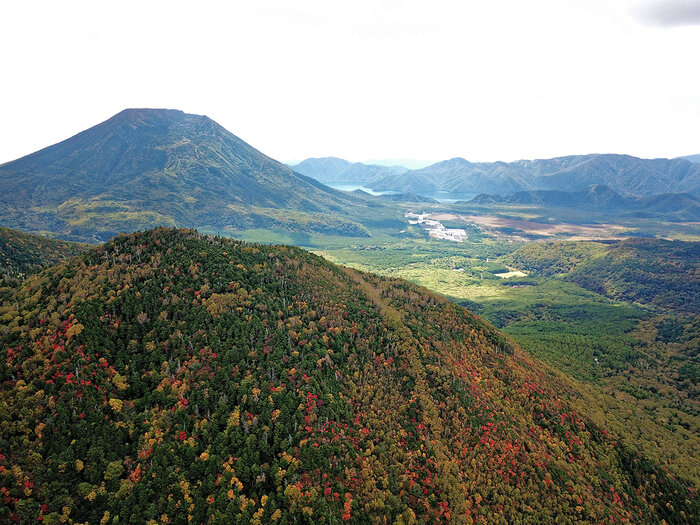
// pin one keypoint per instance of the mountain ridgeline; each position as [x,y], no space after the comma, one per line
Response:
[692,158]
[149,167]
[669,206]
[22,253]
[172,377]
[654,272]
[623,174]
[144,168]
[332,170]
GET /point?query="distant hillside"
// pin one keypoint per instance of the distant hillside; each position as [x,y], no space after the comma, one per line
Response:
[407,197]
[692,158]
[456,176]
[670,206]
[149,167]
[623,174]
[21,253]
[330,170]
[595,196]
[653,272]
[168,377]
[648,271]
[411,164]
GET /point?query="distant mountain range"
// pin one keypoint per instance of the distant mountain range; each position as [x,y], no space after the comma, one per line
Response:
[411,164]
[691,158]
[332,170]
[149,167]
[670,206]
[144,168]
[623,174]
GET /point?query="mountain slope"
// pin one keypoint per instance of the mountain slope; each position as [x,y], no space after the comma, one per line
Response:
[668,206]
[331,170]
[594,196]
[652,272]
[146,167]
[22,253]
[621,173]
[456,176]
[173,377]
[691,158]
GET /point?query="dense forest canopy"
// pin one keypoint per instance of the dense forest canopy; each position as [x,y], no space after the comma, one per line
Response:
[170,377]
[656,272]
[22,253]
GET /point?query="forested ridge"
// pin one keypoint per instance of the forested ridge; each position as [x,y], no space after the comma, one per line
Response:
[22,253]
[168,377]
[655,272]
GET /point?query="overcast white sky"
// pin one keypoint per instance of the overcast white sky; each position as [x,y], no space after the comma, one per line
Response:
[364,79]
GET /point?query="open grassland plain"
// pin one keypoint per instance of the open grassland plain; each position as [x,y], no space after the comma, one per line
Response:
[531,222]
[575,232]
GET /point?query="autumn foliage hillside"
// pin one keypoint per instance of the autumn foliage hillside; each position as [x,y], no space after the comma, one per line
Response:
[22,253]
[167,377]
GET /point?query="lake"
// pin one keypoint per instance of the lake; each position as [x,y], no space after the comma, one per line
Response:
[440,196]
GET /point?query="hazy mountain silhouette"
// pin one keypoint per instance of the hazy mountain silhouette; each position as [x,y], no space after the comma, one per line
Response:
[621,173]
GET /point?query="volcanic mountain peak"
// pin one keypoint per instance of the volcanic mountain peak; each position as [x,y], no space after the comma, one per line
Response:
[149,167]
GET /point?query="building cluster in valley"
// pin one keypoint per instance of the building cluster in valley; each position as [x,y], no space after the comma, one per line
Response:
[435,228]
